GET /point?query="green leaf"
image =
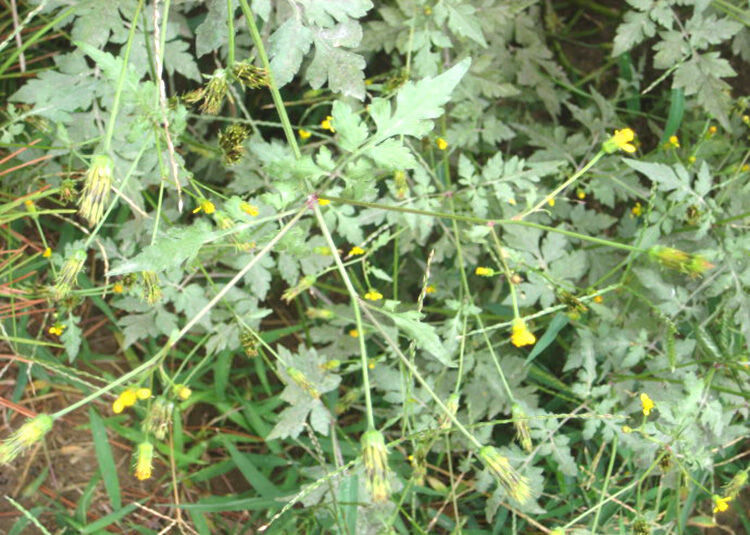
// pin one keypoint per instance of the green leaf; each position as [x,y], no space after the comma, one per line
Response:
[343,69]
[423,334]
[555,326]
[635,28]
[95,20]
[252,475]
[463,21]
[287,47]
[105,459]
[180,244]
[71,337]
[349,127]
[212,32]
[325,12]
[416,104]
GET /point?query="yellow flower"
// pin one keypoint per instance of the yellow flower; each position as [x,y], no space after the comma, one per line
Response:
[621,140]
[441,143]
[512,202]
[674,141]
[429,289]
[746,119]
[118,406]
[249,209]
[304,134]
[57,329]
[627,429]
[184,392]
[745,168]
[648,404]
[117,288]
[484,271]
[691,159]
[371,364]
[47,253]
[551,201]
[354,333]
[637,209]
[356,250]
[143,393]
[721,504]
[521,335]
[598,299]
[144,457]
[375,460]
[207,206]
[325,124]
[29,203]
[128,397]
[373,295]
[323,202]
[581,194]
[712,130]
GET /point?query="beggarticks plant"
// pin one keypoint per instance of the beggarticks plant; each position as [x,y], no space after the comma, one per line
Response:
[507,298]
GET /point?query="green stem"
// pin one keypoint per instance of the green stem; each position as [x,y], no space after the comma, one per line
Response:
[121,81]
[357,315]
[230,27]
[508,276]
[606,482]
[481,221]
[561,187]
[277,100]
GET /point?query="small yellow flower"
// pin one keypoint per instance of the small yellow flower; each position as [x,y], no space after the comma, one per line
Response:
[674,141]
[373,295]
[429,289]
[647,403]
[57,329]
[128,397]
[249,209]
[441,143]
[721,504]
[304,134]
[371,364]
[143,460]
[356,250]
[551,201]
[325,124]
[206,206]
[637,210]
[29,203]
[118,406]
[691,159]
[427,10]
[745,168]
[712,130]
[184,392]
[117,288]
[323,202]
[521,335]
[627,429]
[143,393]
[47,253]
[746,119]
[581,194]
[354,333]
[484,271]
[512,202]
[598,299]
[621,140]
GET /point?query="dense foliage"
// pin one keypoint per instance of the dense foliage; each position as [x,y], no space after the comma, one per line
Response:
[343,266]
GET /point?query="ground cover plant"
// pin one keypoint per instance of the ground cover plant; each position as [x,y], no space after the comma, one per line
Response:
[346,266]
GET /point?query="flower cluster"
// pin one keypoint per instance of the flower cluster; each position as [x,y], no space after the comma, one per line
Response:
[520,334]
[128,397]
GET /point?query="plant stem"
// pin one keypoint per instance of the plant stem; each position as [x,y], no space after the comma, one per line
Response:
[357,315]
[230,27]
[107,145]
[277,100]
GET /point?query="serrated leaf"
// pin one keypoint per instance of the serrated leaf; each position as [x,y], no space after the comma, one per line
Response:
[341,68]
[212,32]
[177,246]
[391,154]
[463,21]
[416,104]
[71,337]
[287,47]
[349,127]
[636,27]
[324,12]
[95,20]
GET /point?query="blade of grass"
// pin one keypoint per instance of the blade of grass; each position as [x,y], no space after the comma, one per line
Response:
[106,460]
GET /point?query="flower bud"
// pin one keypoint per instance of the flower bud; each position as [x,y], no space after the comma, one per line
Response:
[375,459]
[25,436]
[521,423]
[303,382]
[96,186]
[143,460]
[515,485]
[68,274]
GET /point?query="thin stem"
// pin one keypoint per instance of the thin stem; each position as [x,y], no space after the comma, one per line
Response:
[357,315]
[508,276]
[230,27]
[121,81]
[561,187]
[481,221]
[606,482]
[277,100]
[189,325]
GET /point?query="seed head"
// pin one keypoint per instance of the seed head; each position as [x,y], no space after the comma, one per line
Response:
[143,459]
[521,423]
[25,436]
[158,418]
[96,186]
[249,75]
[375,459]
[68,274]
[514,484]
[691,264]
